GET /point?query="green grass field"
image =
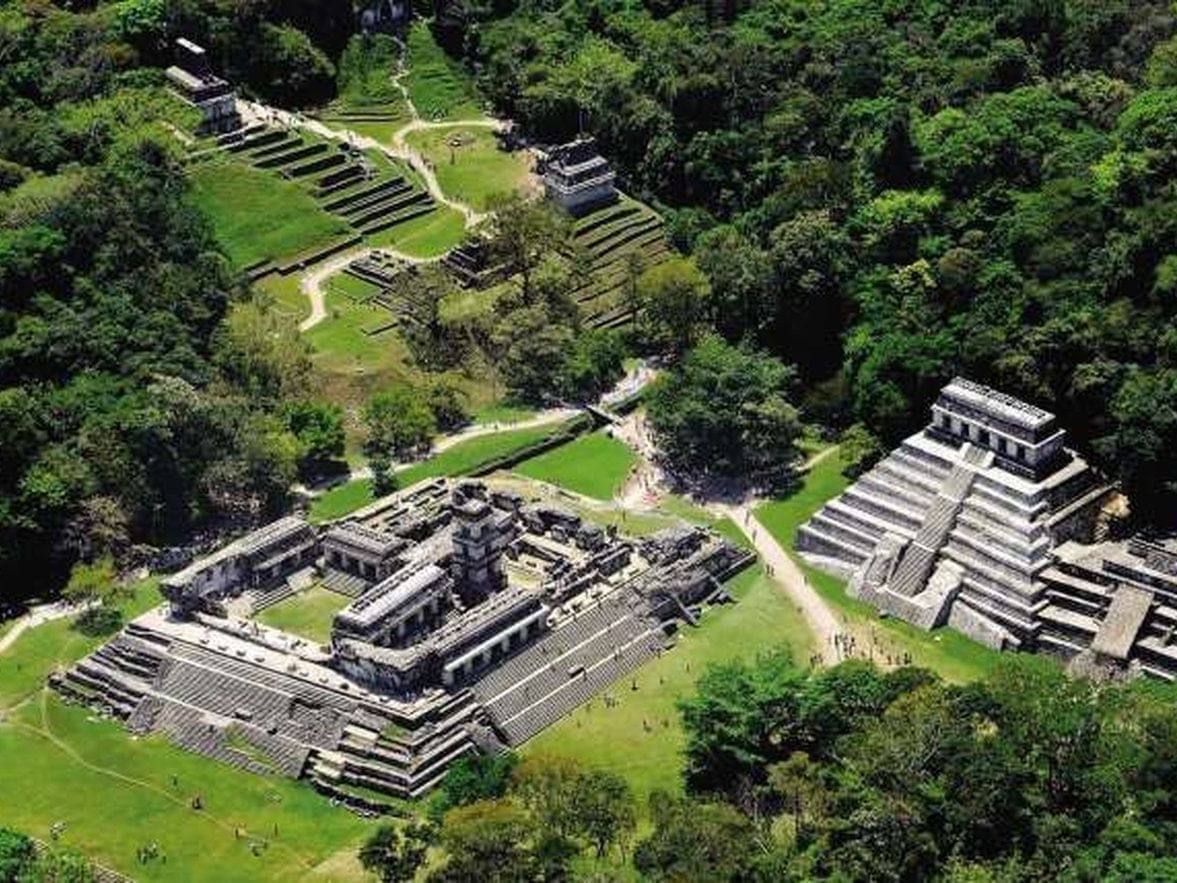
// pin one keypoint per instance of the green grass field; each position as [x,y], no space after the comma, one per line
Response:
[256,215]
[469,165]
[458,460]
[640,738]
[594,465]
[115,793]
[946,651]
[503,412]
[286,293]
[378,121]
[438,86]
[309,613]
[428,236]
[342,347]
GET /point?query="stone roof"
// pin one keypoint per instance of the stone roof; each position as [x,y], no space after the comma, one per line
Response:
[1125,616]
[361,536]
[387,596]
[999,404]
[489,612]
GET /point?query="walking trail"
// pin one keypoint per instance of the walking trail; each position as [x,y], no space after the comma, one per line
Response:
[37,616]
[649,482]
[632,383]
[398,149]
[311,283]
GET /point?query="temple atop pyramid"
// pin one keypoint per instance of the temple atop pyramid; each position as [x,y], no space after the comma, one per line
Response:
[959,523]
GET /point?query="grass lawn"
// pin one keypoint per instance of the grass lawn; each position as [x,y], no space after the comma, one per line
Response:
[378,120]
[469,165]
[594,465]
[458,460]
[354,287]
[615,738]
[257,215]
[438,86]
[945,650]
[24,667]
[286,292]
[470,305]
[309,613]
[428,236]
[341,345]
[115,793]
[635,524]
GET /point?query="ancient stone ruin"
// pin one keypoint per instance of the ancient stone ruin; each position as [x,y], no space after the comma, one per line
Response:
[193,79]
[961,522]
[475,620]
[577,178]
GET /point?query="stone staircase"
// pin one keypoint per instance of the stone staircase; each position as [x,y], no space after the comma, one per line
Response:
[343,583]
[568,666]
[916,565]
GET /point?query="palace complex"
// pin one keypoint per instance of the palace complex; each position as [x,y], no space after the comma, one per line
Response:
[473,621]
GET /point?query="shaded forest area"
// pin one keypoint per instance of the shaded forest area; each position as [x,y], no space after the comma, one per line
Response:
[887,194]
[135,405]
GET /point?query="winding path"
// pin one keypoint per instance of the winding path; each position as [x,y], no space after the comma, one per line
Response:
[311,282]
[648,482]
[37,616]
[784,571]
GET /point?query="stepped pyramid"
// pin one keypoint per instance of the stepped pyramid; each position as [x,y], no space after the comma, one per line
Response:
[957,524]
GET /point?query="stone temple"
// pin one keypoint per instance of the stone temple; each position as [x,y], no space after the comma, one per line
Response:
[472,621]
[964,522]
[193,79]
[577,178]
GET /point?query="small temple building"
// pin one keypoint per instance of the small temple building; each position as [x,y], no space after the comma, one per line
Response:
[577,178]
[193,79]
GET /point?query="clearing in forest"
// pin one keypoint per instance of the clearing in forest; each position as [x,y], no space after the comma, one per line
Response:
[470,164]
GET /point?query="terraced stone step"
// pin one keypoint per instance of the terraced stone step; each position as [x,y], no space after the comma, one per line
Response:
[289,157]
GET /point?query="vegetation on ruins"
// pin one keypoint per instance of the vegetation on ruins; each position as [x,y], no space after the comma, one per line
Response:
[529,334]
